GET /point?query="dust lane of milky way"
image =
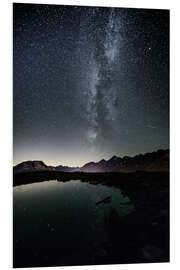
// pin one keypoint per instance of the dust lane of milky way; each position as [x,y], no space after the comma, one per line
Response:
[89,82]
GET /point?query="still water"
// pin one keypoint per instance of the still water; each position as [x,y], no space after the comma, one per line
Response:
[55,221]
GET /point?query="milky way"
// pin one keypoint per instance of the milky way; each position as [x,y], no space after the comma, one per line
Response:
[102,95]
[89,82]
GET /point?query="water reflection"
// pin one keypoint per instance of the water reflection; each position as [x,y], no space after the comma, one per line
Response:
[52,214]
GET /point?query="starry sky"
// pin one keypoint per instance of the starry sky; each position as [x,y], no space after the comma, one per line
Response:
[89,82]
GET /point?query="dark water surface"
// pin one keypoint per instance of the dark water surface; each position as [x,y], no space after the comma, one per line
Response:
[58,223]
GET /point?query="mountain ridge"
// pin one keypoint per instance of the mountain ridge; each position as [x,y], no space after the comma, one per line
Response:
[151,161]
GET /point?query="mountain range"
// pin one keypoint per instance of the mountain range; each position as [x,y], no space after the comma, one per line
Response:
[154,161]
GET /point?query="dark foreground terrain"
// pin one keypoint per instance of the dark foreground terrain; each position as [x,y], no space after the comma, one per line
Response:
[139,237]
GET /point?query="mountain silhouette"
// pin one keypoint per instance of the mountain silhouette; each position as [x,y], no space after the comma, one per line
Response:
[31,166]
[154,161]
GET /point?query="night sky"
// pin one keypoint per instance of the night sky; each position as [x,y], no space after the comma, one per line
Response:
[89,82]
